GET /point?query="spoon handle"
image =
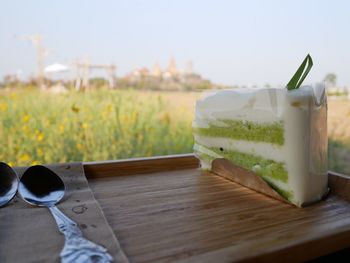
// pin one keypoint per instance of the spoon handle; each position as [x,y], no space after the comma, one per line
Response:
[76,247]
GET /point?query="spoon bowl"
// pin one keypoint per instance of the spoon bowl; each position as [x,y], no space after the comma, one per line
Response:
[41,186]
[8,184]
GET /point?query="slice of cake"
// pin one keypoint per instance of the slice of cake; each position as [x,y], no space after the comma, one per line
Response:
[279,134]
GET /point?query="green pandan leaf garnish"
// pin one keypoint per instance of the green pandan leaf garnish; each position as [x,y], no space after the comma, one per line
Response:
[300,74]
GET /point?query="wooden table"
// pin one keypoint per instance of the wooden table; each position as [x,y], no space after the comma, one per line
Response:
[166,209]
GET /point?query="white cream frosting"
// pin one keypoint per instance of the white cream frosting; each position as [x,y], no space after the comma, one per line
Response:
[303,113]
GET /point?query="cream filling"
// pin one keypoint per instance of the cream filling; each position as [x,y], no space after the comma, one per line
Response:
[263,149]
[200,148]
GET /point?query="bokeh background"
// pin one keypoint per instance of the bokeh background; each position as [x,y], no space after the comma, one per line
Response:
[99,80]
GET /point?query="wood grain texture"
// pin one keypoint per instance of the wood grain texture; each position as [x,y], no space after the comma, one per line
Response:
[195,216]
[140,165]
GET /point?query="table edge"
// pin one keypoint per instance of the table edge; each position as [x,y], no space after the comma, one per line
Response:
[146,165]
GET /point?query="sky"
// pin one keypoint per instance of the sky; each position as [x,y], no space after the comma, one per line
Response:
[247,42]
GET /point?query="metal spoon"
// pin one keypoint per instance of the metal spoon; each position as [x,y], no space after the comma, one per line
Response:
[8,183]
[41,186]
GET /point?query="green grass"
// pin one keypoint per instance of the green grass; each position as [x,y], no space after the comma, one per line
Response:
[37,127]
[339,156]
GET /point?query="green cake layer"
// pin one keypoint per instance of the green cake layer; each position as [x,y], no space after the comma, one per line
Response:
[245,130]
[269,170]
[261,166]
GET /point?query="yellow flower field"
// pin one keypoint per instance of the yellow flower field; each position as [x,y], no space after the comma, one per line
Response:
[41,127]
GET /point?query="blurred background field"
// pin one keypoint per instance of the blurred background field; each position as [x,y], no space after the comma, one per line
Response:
[118,79]
[339,135]
[42,127]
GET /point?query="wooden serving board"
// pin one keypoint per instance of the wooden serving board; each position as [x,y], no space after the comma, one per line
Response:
[166,209]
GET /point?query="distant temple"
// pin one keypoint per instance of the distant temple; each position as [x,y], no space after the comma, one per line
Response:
[171,69]
[170,77]
[156,71]
[169,72]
